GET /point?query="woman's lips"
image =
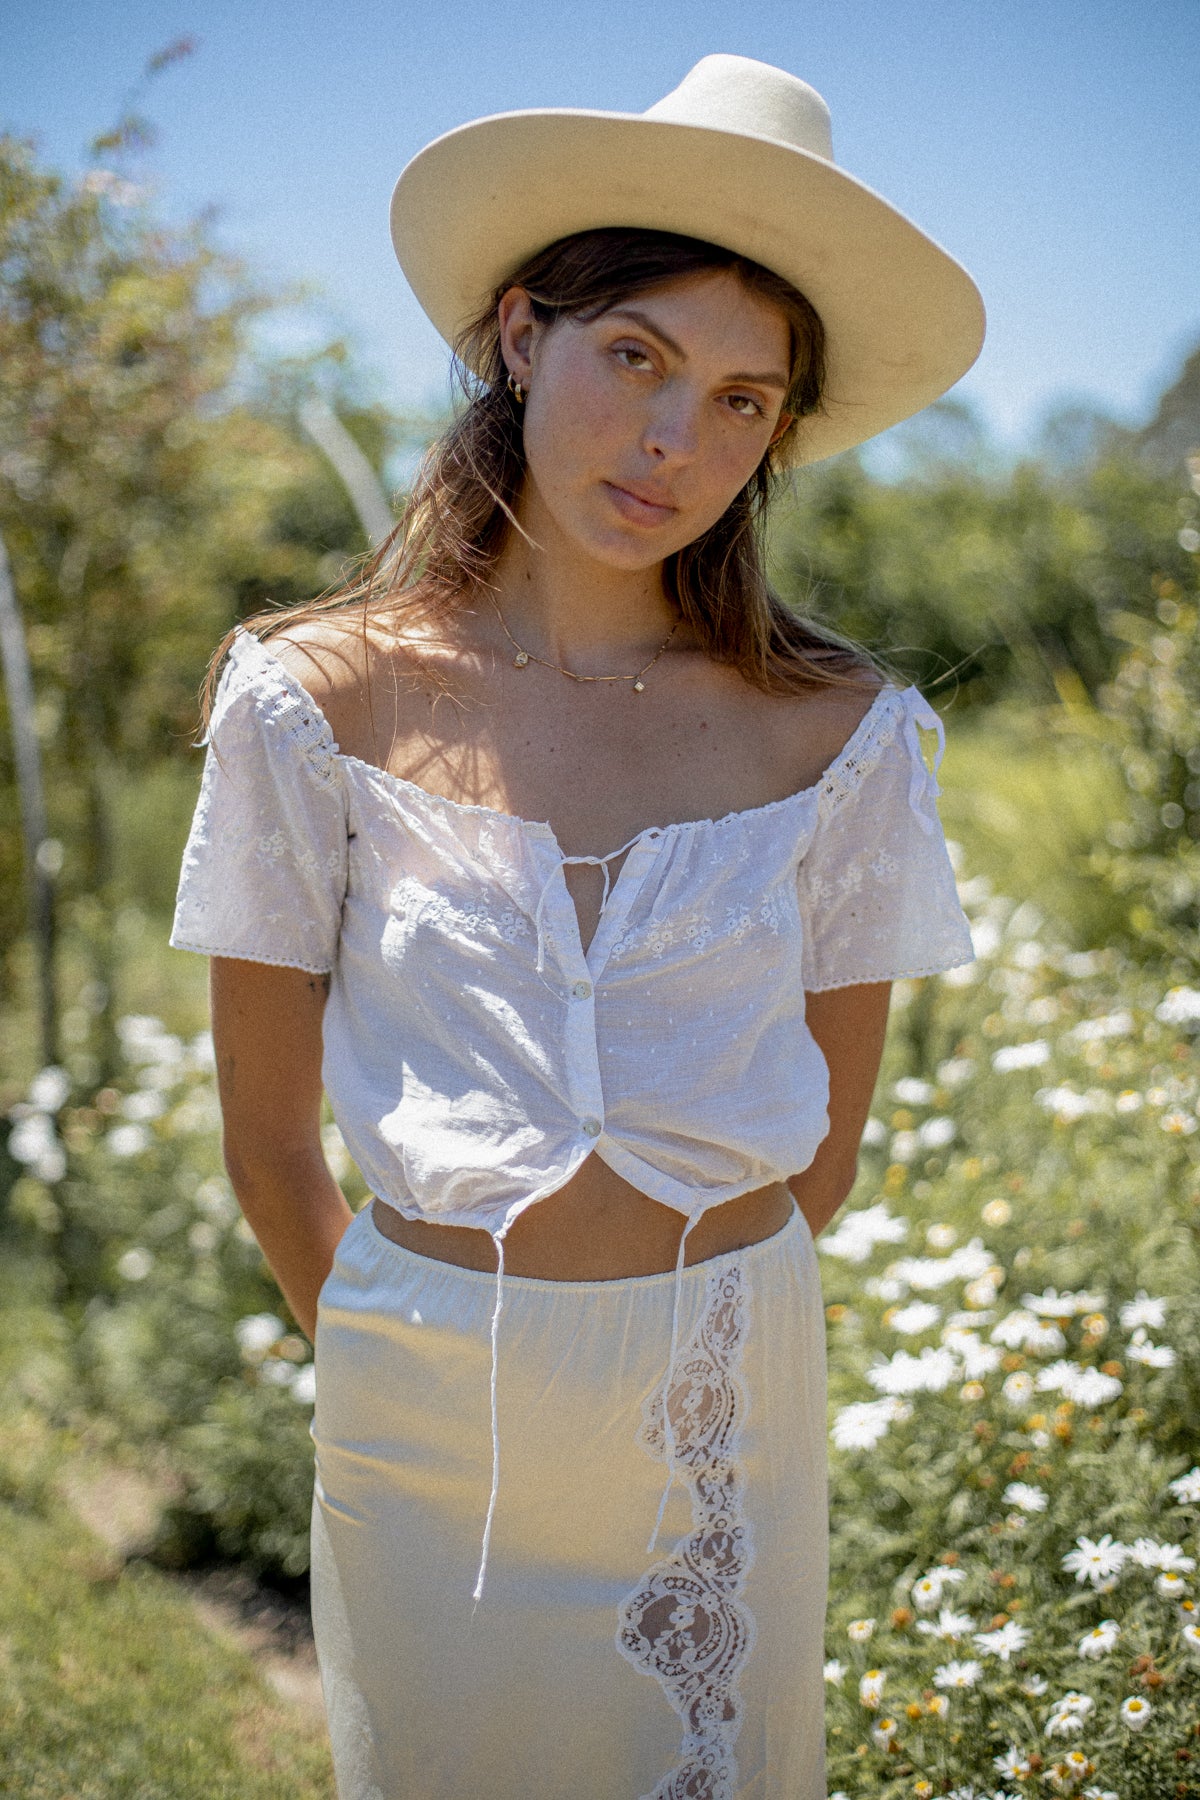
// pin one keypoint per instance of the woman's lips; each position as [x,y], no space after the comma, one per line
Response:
[639,511]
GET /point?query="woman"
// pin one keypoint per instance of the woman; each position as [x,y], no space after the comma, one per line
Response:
[576,868]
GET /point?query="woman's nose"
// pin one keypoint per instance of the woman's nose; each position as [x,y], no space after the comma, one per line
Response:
[673,429]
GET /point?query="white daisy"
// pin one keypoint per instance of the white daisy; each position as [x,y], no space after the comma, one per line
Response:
[1068,1104]
[1168,1557]
[1044,1339]
[1142,1310]
[955,1070]
[1191,1639]
[967,1263]
[835,1671]
[1003,1642]
[859,1630]
[911,1091]
[1029,1499]
[257,1332]
[1092,1387]
[1180,1007]
[1071,1770]
[950,1625]
[1034,1686]
[1114,1024]
[1013,1763]
[1018,1388]
[921,1315]
[1154,1356]
[1021,1056]
[930,1372]
[1012,1328]
[927,1590]
[1186,1488]
[1094,1561]
[884,1733]
[982,1292]
[1135,1712]
[870,1687]
[1170,1585]
[1100,1639]
[860,1425]
[957,1674]
[1053,1305]
[857,1233]
[977,1357]
[1095,1793]
[1064,1723]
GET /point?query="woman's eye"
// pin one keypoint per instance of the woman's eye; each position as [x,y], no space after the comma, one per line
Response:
[746,406]
[632,356]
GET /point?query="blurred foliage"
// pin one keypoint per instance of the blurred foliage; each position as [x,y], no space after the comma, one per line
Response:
[1151,858]
[154,487]
[1004,580]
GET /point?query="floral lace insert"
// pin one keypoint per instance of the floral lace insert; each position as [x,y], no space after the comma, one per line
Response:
[686,1623]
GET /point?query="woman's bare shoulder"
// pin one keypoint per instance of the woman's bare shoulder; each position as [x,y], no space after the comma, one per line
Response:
[350,664]
[812,728]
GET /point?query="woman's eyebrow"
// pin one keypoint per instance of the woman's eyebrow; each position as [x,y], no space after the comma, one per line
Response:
[771,379]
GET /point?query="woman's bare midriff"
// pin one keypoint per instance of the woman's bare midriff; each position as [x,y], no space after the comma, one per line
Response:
[597,1227]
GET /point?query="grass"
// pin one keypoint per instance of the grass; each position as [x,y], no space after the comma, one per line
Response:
[112,1691]
[1028,793]
[110,1686]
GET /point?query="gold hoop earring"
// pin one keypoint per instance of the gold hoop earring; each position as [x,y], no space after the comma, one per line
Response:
[516,390]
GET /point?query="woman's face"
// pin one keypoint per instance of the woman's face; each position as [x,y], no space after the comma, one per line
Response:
[642,425]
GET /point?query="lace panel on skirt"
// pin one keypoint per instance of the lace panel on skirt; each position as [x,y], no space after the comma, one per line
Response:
[686,1623]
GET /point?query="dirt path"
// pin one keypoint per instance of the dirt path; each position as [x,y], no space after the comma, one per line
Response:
[122,1506]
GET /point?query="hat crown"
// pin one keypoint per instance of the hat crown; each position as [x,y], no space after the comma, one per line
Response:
[735,93]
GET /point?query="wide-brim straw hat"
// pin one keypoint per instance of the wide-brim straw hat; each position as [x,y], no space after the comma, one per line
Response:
[739,154]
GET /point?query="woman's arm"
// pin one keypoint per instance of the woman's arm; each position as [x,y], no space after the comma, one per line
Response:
[267,1036]
[849,1025]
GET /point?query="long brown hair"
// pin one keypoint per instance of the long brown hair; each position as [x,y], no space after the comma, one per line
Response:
[463,500]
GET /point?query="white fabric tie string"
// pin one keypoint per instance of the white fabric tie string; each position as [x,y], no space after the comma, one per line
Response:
[602,862]
[477,1590]
[924,780]
[668,1428]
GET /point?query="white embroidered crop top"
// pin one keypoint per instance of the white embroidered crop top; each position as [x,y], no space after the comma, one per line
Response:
[474,1053]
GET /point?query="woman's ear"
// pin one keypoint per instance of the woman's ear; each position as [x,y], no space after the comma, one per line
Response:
[781,424]
[518,330]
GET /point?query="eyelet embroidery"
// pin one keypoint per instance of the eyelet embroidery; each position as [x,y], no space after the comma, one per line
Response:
[699,926]
[686,1623]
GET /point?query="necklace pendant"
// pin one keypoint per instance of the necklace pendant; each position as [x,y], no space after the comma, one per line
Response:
[639,687]
[520,659]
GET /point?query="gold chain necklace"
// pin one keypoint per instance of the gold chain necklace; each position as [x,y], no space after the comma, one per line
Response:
[526,656]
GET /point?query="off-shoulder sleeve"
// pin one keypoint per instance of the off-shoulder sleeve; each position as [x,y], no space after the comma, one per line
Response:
[876,885]
[264,871]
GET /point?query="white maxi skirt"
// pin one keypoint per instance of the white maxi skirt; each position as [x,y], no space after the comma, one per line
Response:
[590,1667]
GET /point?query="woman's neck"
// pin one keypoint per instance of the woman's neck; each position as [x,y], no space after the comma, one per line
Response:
[560,603]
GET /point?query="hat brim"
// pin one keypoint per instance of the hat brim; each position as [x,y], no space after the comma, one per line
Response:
[903,320]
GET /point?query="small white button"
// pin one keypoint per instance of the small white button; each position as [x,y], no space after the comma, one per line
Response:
[582,990]
[590,1127]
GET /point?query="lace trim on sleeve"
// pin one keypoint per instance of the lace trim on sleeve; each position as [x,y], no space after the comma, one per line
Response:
[862,753]
[258,956]
[686,1622]
[251,669]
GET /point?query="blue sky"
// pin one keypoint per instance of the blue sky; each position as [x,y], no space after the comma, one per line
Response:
[1053,147]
